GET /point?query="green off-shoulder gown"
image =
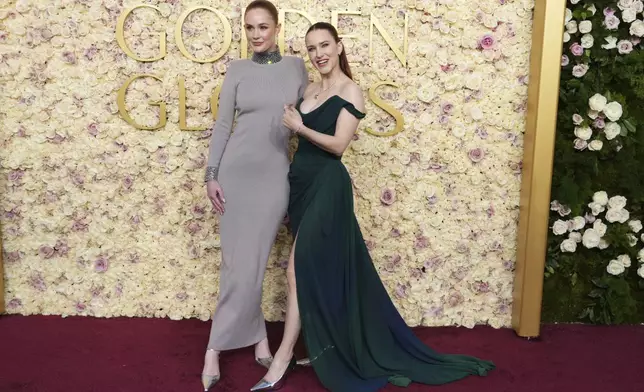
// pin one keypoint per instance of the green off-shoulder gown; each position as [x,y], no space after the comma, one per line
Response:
[356,339]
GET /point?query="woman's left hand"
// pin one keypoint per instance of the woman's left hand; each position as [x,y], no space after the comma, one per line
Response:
[292,119]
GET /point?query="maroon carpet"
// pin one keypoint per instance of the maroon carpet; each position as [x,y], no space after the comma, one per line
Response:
[140,355]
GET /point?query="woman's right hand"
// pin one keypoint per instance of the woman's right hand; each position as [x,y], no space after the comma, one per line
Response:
[216,196]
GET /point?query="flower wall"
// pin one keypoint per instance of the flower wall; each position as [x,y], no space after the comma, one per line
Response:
[102,219]
[595,266]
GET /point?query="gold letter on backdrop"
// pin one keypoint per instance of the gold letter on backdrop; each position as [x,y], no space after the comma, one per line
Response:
[178,34]
[183,123]
[214,102]
[402,56]
[120,101]
[120,35]
[387,108]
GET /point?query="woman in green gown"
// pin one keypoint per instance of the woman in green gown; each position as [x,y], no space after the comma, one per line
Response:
[356,339]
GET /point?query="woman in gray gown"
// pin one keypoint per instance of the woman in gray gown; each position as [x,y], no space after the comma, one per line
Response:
[247,182]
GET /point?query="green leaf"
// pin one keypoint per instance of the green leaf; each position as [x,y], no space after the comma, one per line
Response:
[629,126]
[608,95]
[624,131]
[598,282]
[596,293]
[585,313]
[573,280]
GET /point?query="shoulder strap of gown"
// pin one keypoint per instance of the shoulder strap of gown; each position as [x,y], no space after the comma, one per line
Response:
[352,109]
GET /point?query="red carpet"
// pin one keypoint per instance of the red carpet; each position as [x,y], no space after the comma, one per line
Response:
[140,355]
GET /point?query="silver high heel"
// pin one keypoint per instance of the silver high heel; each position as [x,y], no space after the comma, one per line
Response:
[264,362]
[209,381]
[264,385]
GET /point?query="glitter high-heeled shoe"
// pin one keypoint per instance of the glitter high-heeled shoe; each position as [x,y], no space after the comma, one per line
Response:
[264,385]
[264,362]
[209,381]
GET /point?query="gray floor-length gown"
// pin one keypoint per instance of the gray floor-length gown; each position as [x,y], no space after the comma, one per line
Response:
[249,157]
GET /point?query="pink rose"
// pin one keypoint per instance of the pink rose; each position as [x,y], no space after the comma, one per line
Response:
[13,257]
[579,70]
[487,42]
[422,242]
[46,251]
[576,49]
[69,57]
[608,11]
[624,47]
[577,119]
[447,107]
[564,60]
[611,22]
[15,303]
[476,155]
[128,182]
[599,123]
[580,144]
[388,196]
[101,264]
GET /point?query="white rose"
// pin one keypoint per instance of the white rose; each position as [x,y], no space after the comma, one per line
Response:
[559,227]
[592,9]
[597,102]
[473,81]
[603,244]
[635,225]
[593,114]
[615,267]
[624,47]
[613,215]
[600,198]
[629,15]
[613,111]
[585,26]
[612,130]
[591,238]
[577,119]
[625,260]
[575,236]
[617,202]
[640,255]
[640,271]
[587,41]
[637,28]
[584,133]
[571,27]
[568,246]
[578,223]
[632,240]
[625,4]
[580,70]
[574,1]
[638,6]
[596,208]
[611,43]
[595,145]
[624,215]
[566,37]
[568,15]
[600,227]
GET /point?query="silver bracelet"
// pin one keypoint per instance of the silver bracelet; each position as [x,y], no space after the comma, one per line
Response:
[211,174]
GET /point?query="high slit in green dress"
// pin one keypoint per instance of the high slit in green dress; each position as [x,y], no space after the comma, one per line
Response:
[356,339]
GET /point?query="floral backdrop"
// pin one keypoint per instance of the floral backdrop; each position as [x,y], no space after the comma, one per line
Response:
[102,219]
[595,266]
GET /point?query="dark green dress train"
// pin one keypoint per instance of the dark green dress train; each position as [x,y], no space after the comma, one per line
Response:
[356,339]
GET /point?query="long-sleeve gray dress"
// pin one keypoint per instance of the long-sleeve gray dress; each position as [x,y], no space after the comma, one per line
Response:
[249,157]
